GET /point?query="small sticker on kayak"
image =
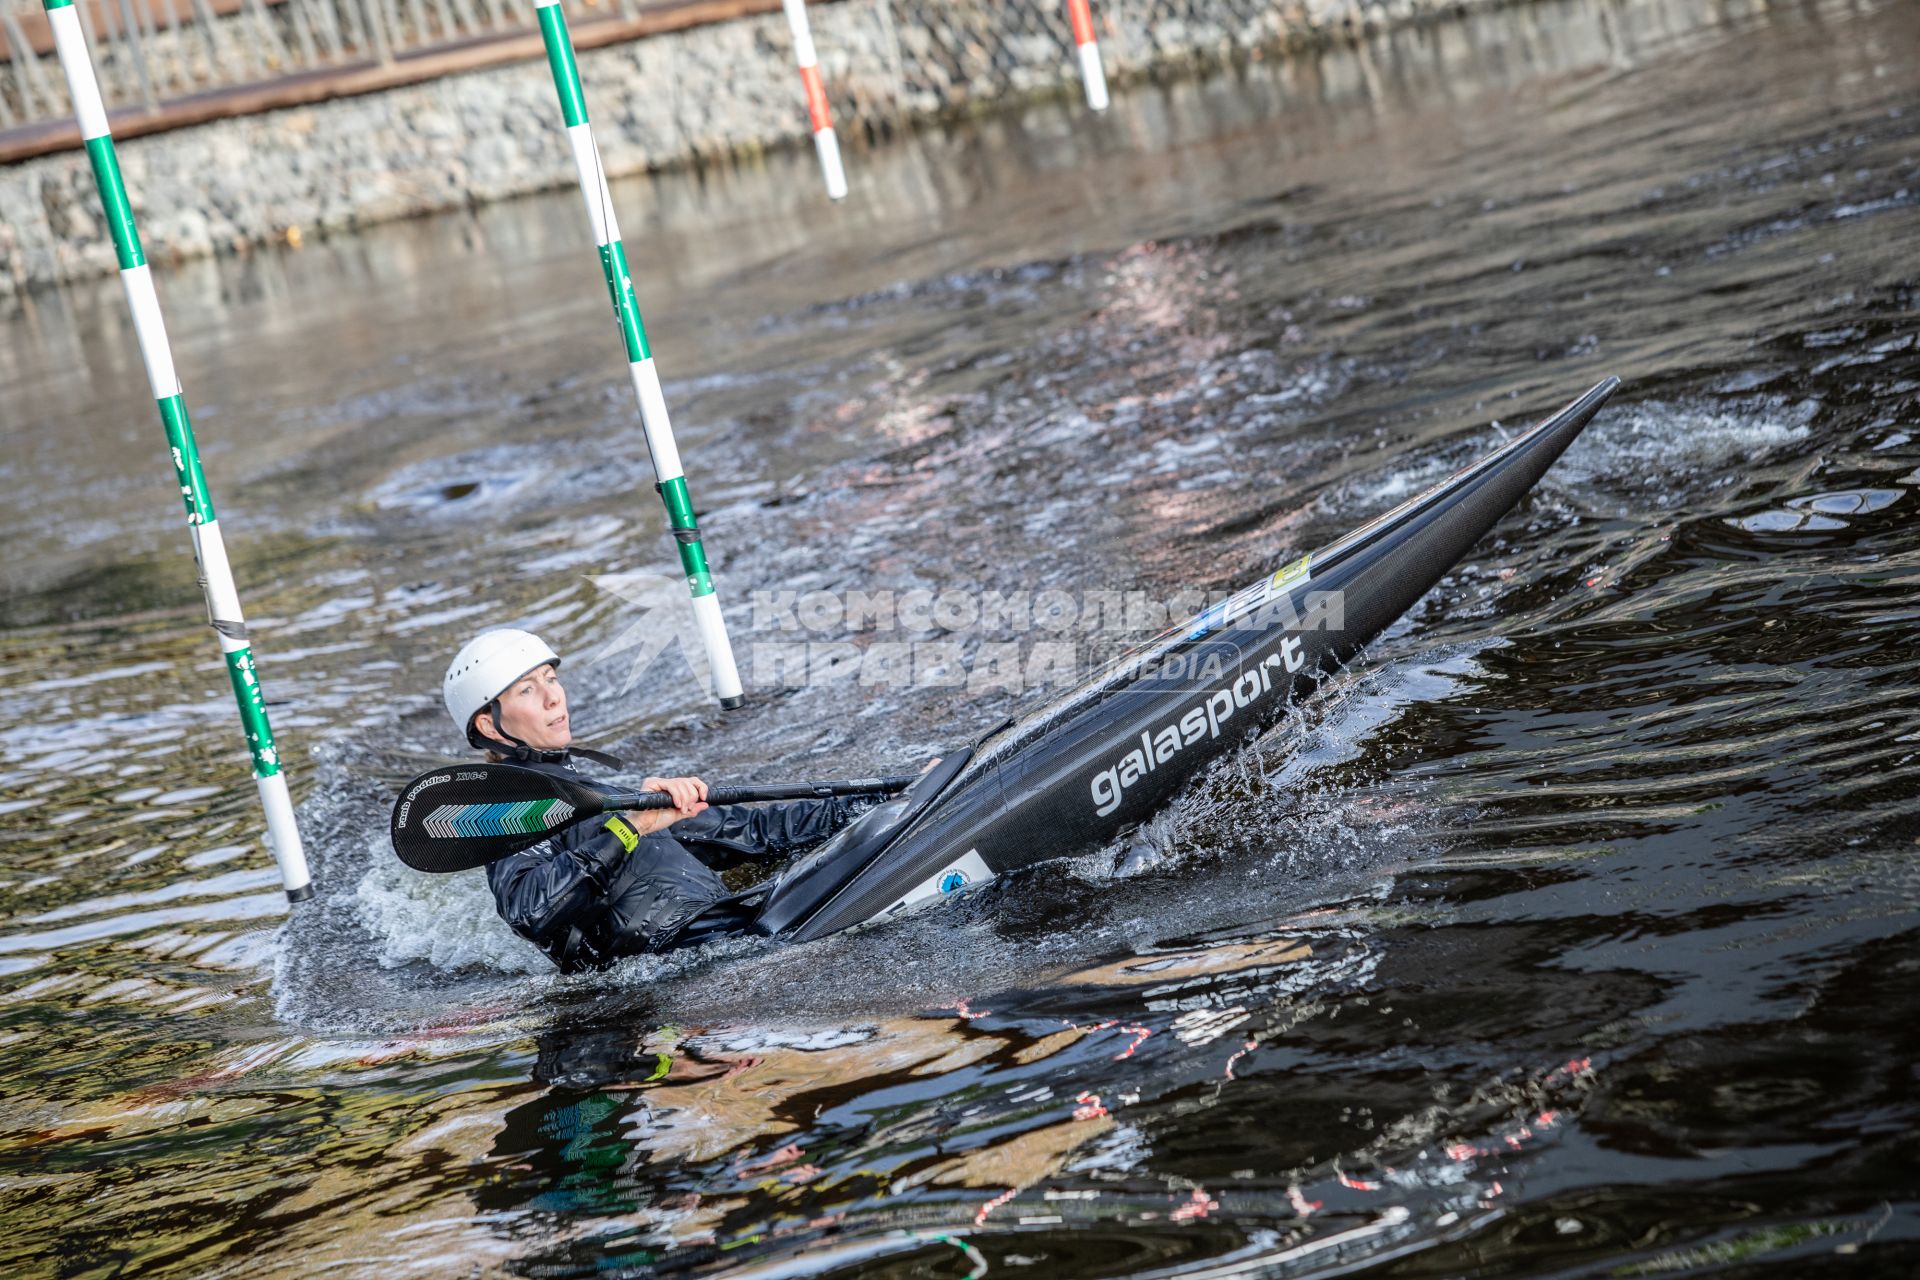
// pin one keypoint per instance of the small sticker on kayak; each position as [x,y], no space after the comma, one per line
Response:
[1248,598]
[1289,576]
[969,869]
[1209,618]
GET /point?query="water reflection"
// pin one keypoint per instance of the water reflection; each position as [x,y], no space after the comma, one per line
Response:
[682,1142]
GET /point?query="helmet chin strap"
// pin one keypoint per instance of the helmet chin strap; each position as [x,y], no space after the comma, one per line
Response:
[600,758]
[520,751]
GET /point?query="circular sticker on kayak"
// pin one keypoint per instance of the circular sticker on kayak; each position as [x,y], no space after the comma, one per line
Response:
[953,881]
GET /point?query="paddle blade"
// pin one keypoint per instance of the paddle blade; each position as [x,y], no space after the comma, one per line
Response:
[466,816]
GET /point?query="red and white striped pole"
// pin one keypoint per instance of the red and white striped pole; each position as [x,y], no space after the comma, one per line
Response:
[818,116]
[1084,44]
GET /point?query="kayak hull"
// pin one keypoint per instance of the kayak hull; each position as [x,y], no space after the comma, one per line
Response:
[1081,770]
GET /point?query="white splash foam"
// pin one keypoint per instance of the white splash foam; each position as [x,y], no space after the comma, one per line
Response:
[1659,441]
[1376,491]
[762,1039]
[448,921]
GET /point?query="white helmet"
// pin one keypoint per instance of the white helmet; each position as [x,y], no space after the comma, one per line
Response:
[486,667]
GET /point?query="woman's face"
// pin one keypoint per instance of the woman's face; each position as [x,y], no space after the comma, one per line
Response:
[534,710]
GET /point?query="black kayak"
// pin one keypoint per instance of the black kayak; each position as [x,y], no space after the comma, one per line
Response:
[1081,770]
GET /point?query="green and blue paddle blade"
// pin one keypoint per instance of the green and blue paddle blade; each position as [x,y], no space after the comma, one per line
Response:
[468,815]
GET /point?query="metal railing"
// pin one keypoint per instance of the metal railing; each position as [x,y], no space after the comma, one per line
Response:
[148,53]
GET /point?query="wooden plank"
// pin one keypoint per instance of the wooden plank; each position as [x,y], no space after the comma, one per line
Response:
[305,88]
[33,22]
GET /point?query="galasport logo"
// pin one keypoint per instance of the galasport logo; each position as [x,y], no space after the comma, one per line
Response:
[1203,720]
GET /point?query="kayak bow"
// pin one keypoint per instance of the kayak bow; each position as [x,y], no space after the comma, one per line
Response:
[1080,770]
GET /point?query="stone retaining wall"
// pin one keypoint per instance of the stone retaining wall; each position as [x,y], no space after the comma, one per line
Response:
[700,94]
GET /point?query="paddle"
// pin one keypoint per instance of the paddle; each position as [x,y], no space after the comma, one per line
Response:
[467,815]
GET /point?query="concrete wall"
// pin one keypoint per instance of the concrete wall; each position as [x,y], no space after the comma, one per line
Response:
[704,93]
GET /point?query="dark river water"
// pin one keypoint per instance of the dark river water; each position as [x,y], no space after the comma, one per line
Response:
[1573,931]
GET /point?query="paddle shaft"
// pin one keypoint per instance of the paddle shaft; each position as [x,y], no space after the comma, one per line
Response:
[463,816]
[641,800]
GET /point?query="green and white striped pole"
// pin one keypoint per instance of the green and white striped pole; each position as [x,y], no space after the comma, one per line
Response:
[216,577]
[671,481]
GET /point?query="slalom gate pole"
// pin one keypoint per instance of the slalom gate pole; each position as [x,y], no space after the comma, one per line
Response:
[1092,74]
[825,142]
[671,481]
[209,551]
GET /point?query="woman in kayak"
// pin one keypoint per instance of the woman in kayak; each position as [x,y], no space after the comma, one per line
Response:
[622,885]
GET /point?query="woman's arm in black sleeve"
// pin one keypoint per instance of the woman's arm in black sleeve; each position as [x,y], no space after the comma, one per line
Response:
[735,833]
[537,889]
